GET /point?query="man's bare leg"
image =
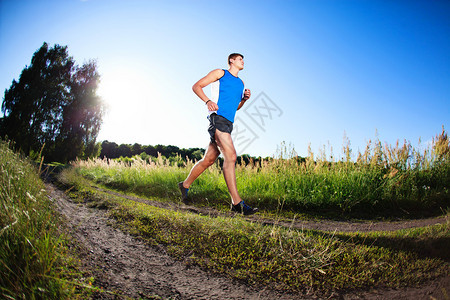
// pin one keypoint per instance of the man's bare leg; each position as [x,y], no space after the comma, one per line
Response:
[226,146]
[211,154]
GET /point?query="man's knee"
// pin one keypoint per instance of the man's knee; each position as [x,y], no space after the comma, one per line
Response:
[208,161]
[231,157]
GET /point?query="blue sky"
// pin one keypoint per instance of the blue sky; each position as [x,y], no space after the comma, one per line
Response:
[317,69]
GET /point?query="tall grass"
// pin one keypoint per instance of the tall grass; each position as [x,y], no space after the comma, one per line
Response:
[34,260]
[382,180]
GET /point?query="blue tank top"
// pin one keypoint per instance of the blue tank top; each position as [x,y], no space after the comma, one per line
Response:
[231,89]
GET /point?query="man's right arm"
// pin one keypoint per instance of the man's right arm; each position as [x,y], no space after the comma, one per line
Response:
[212,76]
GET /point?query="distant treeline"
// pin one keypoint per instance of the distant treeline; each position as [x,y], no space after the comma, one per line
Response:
[112,150]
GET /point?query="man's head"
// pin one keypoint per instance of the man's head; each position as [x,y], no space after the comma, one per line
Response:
[237,60]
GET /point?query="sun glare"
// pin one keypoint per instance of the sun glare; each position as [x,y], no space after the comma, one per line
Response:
[127,95]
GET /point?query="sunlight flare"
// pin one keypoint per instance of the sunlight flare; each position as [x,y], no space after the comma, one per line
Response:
[129,95]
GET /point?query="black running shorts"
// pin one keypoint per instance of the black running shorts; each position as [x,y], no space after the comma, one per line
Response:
[220,123]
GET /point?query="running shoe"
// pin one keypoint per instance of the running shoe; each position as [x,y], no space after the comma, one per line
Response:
[243,208]
[184,192]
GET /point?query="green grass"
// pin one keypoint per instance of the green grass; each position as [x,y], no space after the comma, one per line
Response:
[383,182]
[283,258]
[35,260]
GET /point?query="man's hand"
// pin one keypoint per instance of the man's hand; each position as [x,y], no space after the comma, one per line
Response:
[212,106]
[247,94]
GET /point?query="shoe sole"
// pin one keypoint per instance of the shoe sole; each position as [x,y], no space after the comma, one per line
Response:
[255,210]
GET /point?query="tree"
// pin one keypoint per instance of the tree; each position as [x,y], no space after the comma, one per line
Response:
[54,103]
[125,150]
[109,150]
[150,150]
[136,149]
[197,154]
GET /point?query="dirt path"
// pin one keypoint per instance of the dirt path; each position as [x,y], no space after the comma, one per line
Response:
[130,268]
[323,225]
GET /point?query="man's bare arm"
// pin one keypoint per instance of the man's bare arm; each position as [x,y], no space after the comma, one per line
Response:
[247,95]
[208,79]
[241,104]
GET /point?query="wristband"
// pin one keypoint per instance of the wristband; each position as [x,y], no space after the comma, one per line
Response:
[206,103]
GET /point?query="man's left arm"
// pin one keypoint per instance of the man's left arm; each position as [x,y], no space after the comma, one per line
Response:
[247,95]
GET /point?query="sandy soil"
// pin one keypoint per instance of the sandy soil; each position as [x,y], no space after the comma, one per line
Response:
[127,267]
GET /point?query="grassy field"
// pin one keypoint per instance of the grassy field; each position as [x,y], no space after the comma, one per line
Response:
[35,260]
[278,257]
[398,180]
[384,181]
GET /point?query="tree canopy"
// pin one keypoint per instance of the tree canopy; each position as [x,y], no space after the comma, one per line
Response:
[55,104]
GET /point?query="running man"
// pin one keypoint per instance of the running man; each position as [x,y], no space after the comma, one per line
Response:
[232,97]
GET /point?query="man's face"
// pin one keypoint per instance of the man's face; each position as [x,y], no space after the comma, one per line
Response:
[238,62]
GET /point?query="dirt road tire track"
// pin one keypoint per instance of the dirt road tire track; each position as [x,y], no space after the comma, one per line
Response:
[131,268]
[323,225]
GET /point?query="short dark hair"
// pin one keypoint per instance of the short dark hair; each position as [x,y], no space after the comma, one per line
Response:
[233,56]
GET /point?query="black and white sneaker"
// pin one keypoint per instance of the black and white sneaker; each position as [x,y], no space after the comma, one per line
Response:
[243,208]
[184,192]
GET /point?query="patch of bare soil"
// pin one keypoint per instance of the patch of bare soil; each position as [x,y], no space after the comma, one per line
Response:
[436,290]
[127,267]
